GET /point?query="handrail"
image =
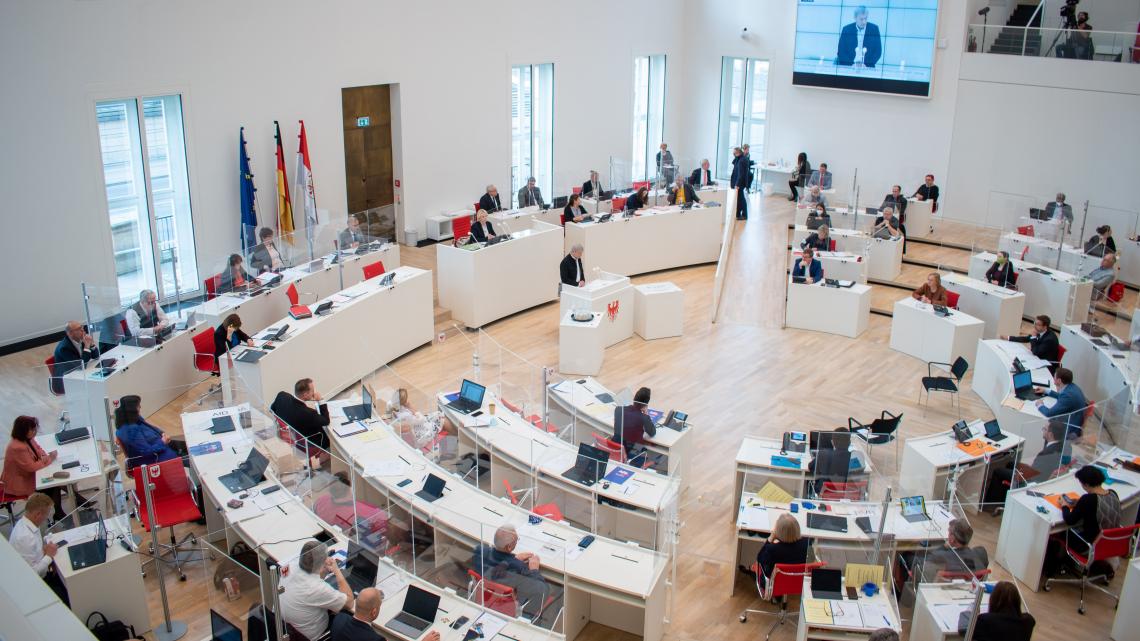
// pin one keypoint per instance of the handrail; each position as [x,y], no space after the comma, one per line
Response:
[725,249]
[1036,11]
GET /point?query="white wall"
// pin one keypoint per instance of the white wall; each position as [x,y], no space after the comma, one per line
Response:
[889,139]
[248,63]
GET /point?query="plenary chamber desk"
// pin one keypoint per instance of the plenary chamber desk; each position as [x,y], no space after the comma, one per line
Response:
[840,265]
[1106,374]
[370,325]
[1061,296]
[582,400]
[639,508]
[609,294]
[993,382]
[659,238]
[610,582]
[313,281]
[918,331]
[277,529]
[834,310]
[1025,531]
[760,460]
[1044,252]
[512,220]
[884,255]
[999,308]
[930,462]
[481,284]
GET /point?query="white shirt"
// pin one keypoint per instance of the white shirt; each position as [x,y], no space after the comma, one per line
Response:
[29,543]
[274,257]
[859,33]
[578,264]
[133,321]
[307,600]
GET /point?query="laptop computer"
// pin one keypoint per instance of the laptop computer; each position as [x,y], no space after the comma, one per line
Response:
[221,629]
[606,195]
[993,432]
[70,436]
[495,240]
[363,411]
[470,397]
[248,474]
[418,613]
[1038,214]
[604,218]
[799,279]
[1094,330]
[191,318]
[1023,386]
[89,553]
[827,584]
[559,202]
[914,509]
[222,425]
[433,488]
[589,466]
[828,522]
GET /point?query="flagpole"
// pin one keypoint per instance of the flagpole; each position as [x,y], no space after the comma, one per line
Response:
[305,195]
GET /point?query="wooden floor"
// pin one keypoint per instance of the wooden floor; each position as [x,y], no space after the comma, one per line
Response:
[740,375]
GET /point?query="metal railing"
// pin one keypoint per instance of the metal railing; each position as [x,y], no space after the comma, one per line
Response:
[1040,42]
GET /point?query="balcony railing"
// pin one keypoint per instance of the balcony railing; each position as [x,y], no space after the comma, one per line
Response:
[1108,46]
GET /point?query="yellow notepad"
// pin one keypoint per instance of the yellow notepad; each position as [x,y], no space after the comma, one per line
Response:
[817,611]
[859,573]
[773,493]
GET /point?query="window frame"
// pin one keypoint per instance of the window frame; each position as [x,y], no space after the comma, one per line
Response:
[744,121]
[654,113]
[545,182]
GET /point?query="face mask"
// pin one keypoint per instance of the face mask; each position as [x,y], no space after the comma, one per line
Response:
[1001,260]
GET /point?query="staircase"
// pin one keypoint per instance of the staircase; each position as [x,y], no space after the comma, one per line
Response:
[1011,38]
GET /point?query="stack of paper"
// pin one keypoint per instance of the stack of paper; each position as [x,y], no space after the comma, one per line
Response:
[772,493]
[858,574]
[817,611]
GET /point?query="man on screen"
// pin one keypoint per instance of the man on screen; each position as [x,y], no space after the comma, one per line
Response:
[859,42]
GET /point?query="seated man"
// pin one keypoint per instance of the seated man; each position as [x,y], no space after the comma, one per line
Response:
[1047,461]
[1103,276]
[499,563]
[27,540]
[593,186]
[530,195]
[296,413]
[1059,208]
[814,270]
[482,230]
[819,240]
[265,257]
[306,599]
[336,506]
[571,270]
[927,191]
[887,225]
[353,235]
[1071,402]
[146,318]
[489,202]
[682,192]
[1042,342]
[896,201]
[954,556]
[702,176]
[813,196]
[817,216]
[631,424]
[358,626]
[820,177]
[74,350]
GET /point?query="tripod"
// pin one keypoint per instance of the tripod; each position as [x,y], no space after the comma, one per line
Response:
[1068,23]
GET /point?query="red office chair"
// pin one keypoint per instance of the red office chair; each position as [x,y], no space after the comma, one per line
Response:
[126,328]
[641,183]
[1113,543]
[831,244]
[55,383]
[1025,230]
[7,501]
[1116,292]
[1060,353]
[477,207]
[211,285]
[1024,252]
[952,299]
[617,205]
[616,452]
[511,406]
[1013,279]
[576,190]
[460,228]
[538,423]
[838,491]
[204,359]
[292,295]
[172,503]
[496,596]
[548,510]
[787,580]
[373,270]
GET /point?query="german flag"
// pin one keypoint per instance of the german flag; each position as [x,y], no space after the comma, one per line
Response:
[284,206]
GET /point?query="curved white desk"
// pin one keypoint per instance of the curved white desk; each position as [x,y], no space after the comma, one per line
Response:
[928,463]
[845,311]
[1063,297]
[1105,374]
[661,237]
[993,382]
[916,330]
[999,308]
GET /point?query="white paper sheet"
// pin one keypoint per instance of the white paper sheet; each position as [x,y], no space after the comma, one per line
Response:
[846,614]
[876,615]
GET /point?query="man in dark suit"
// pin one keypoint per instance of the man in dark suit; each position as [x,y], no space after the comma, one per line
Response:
[1071,402]
[481,229]
[489,202]
[808,267]
[593,186]
[354,234]
[571,270]
[1060,207]
[1047,461]
[682,193]
[739,180]
[265,257]
[1042,342]
[896,200]
[530,195]
[297,414]
[859,42]
[75,350]
[927,191]
[702,176]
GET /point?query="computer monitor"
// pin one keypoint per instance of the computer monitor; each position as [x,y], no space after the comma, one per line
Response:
[221,629]
[833,440]
[366,397]
[420,603]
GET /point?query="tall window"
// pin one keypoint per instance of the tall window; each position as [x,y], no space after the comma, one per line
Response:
[743,110]
[148,195]
[532,128]
[648,114]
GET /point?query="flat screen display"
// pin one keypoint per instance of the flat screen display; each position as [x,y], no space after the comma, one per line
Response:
[885,46]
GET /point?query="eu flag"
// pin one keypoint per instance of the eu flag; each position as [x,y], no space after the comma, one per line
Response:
[248,196]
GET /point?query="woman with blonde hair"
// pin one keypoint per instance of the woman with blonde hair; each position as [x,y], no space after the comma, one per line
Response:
[932,291]
[784,546]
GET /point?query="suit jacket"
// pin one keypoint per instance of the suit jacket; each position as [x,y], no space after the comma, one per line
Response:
[928,193]
[815,270]
[1003,274]
[898,204]
[226,283]
[588,188]
[1066,211]
[741,177]
[817,243]
[260,260]
[690,195]
[529,197]
[568,270]
[68,358]
[999,626]
[490,205]
[849,39]
[1048,460]
[479,234]
[824,181]
[308,422]
[665,166]
[1044,347]
[568,213]
[695,178]
[346,237]
[1071,404]
[220,339]
[21,462]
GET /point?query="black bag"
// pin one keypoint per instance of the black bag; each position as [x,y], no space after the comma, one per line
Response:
[240,555]
[105,630]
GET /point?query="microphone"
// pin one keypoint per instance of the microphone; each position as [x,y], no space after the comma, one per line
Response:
[984,11]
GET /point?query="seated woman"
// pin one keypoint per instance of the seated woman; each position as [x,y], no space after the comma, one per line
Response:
[574,211]
[819,240]
[23,458]
[229,335]
[932,291]
[784,546]
[234,278]
[417,430]
[1097,509]
[1102,243]
[818,216]
[638,200]
[142,442]
[337,507]
[1001,272]
[1003,620]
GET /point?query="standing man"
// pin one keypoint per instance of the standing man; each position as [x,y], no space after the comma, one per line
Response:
[593,185]
[146,318]
[738,181]
[859,42]
[489,202]
[530,195]
[665,167]
[571,270]
[702,177]
[30,544]
[927,191]
[74,350]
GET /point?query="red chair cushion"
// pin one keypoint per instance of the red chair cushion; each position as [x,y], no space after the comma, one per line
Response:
[952,299]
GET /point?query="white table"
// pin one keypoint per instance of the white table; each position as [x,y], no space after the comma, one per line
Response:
[835,310]
[658,310]
[89,453]
[839,265]
[581,345]
[919,218]
[512,220]
[1043,229]
[439,227]
[610,295]
[88,588]
[1107,375]
[916,330]
[1025,532]
[993,383]
[373,327]
[1044,252]
[778,176]
[999,308]
[884,601]
[937,609]
[32,611]
[885,258]
[482,285]
[158,374]
[1061,296]
[928,463]
[846,240]
[847,218]
[660,238]
[1126,624]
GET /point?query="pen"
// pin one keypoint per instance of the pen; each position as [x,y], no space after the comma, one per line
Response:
[404,460]
[886,620]
[282,510]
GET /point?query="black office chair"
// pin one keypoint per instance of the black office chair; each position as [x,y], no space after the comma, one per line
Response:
[881,431]
[932,383]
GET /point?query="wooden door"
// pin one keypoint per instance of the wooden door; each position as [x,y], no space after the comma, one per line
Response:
[368,155]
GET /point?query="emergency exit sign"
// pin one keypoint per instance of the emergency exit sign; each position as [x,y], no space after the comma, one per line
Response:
[363,121]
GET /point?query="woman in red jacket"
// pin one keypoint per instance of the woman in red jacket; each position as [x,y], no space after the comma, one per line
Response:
[23,458]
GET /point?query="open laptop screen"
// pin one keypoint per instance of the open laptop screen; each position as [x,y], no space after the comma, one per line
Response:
[1022,380]
[472,392]
[912,505]
[421,604]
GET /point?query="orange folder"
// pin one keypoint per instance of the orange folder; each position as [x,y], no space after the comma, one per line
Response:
[1055,499]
